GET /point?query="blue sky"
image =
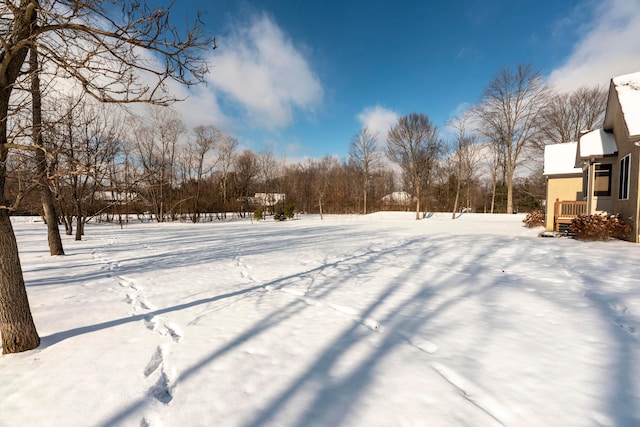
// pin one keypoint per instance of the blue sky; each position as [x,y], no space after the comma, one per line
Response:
[302,77]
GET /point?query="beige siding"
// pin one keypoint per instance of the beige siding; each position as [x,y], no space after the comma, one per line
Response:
[563,188]
[628,209]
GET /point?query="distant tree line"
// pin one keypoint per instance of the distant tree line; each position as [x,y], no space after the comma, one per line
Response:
[104,161]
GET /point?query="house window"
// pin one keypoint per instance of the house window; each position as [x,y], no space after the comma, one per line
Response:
[623,189]
[602,182]
[585,183]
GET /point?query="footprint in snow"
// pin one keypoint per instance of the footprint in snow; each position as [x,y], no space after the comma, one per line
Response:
[138,303]
[156,360]
[158,325]
[621,321]
[161,389]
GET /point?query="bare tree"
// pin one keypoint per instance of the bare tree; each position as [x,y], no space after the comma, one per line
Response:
[268,170]
[414,145]
[101,45]
[89,138]
[494,160]
[206,138]
[466,157]
[48,206]
[247,168]
[567,115]
[156,142]
[509,114]
[321,171]
[364,155]
[226,152]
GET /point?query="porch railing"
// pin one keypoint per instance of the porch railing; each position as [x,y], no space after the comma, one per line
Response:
[565,211]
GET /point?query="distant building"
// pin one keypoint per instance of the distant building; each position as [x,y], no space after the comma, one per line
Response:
[398,198]
[268,199]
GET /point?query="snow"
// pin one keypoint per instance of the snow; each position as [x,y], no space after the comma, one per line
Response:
[628,88]
[560,159]
[597,144]
[372,320]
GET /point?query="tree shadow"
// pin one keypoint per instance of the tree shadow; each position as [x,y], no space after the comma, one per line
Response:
[623,403]
[55,338]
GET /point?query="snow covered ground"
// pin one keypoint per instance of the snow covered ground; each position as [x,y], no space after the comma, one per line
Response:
[376,320]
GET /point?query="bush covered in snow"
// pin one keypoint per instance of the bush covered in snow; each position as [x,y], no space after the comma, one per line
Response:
[598,227]
[534,219]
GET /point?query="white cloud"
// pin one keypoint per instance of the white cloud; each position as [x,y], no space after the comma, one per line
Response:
[200,107]
[608,46]
[378,120]
[260,71]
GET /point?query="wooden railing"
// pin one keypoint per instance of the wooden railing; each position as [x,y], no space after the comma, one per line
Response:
[564,212]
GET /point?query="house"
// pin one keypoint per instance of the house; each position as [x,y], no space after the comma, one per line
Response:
[268,201]
[398,199]
[564,182]
[599,174]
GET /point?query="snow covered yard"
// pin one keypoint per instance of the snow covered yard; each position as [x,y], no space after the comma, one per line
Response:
[376,320]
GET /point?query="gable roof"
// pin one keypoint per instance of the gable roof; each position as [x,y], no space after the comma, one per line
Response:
[597,143]
[559,159]
[627,88]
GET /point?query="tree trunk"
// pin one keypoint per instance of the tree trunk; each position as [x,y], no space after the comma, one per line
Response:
[78,220]
[417,186]
[365,200]
[455,203]
[68,224]
[16,323]
[510,193]
[50,217]
[493,195]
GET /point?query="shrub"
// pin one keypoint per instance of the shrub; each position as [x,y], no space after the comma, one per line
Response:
[257,214]
[534,219]
[289,210]
[598,227]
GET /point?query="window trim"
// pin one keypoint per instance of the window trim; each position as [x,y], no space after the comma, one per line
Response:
[625,176]
[602,167]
